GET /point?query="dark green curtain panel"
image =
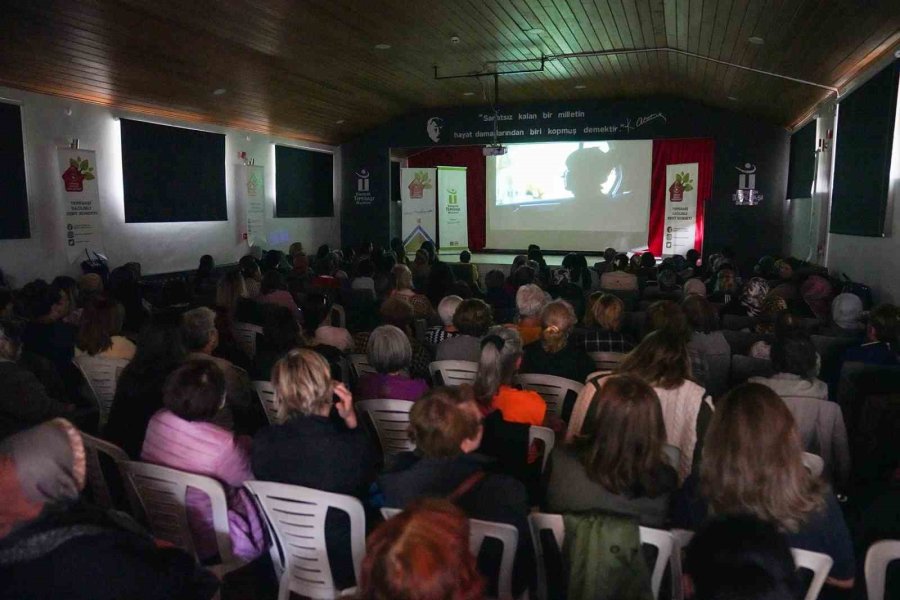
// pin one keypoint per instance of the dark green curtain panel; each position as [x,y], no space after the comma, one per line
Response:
[862,163]
[803,161]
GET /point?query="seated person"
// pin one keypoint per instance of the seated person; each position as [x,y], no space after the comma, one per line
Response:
[403,288]
[98,332]
[530,301]
[725,286]
[399,313]
[773,317]
[617,463]
[708,342]
[750,301]
[364,280]
[46,334]
[422,553]
[753,464]
[446,427]
[317,310]
[555,353]
[695,286]
[446,309]
[390,354]
[317,444]
[469,270]
[499,298]
[501,356]
[252,275]
[281,334]
[603,325]
[619,279]
[24,402]
[472,319]
[55,545]
[882,334]
[182,436]
[846,317]
[273,290]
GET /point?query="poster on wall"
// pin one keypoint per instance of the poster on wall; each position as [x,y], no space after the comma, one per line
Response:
[681,209]
[251,187]
[453,225]
[80,202]
[418,193]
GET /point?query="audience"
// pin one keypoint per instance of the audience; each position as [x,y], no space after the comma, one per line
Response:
[317,313]
[846,317]
[499,298]
[555,353]
[390,354]
[182,436]
[603,325]
[882,334]
[281,334]
[619,279]
[471,320]
[530,301]
[252,275]
[773,311]
[46,334]
[273,290]
[422,553]
[753,463]
[446,309]
[98,333]
[750,301]
[399,313]
[403,288]
[707,341]
[500,359]
[616,464]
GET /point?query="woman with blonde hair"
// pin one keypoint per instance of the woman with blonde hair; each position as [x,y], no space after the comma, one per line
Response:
[603,322]
[753,463]
[403,288]
[662,361]
[555,353]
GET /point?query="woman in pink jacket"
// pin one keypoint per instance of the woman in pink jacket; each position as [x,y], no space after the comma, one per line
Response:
[182,437]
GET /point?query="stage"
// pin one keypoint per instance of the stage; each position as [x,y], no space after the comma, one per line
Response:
[488,261]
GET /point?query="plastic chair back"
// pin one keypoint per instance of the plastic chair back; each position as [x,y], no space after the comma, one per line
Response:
[360,365]
[266,393]
[661,540]
[552,389]
[453,372]
[545,435]
[246,333]
[162,493]
[819,564]
[295,518]
[96,479]
[101,374]
[672,454]
[391,421]
[878,557]
[479,530]
[813,463]
[606,361]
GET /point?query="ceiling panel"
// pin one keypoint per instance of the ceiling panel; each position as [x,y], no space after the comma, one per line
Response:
[297,68]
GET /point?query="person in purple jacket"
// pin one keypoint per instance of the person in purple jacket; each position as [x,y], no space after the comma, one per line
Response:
[390,354]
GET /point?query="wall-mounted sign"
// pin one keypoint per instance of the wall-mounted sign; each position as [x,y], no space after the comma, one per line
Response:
[80,202]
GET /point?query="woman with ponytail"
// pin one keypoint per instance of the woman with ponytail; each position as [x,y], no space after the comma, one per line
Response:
[555,353]
[501,357]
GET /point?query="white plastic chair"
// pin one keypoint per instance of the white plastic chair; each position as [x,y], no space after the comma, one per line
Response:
[162,496]
[658,538]
[101,374]
[813,463]
[819,564]
[360,365]
[246,333]
[606,361]
[96,480]
[479,531]
[295,518]
[680,538]
[391,421]
[545,435]
[266,392]
[551,388]
[878,558]
[672,454]
[453,372]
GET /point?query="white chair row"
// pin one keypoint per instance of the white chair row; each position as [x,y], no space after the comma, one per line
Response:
[102,375]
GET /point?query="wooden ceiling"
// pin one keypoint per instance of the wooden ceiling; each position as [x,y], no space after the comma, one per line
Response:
[309,69]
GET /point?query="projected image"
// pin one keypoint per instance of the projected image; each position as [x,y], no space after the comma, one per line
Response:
[573,186]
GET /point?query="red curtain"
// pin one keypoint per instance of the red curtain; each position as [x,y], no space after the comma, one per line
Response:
[471,158]
[673,152]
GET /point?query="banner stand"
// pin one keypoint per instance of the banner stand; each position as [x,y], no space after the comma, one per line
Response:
[453,223]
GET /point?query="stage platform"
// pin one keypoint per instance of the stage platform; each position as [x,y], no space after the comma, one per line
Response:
[487,261]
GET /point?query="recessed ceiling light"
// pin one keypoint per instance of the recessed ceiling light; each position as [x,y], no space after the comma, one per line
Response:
[732,98]
[219,91]
[339,121]
[580,86]
[534,31]
[468,93]
[382,46]
[756,40]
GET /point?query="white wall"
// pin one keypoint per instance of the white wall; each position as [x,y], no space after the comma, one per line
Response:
[159,247]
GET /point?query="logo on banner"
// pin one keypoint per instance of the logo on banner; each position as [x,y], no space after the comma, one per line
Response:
[683,183]
[252,183]
[363,196]
[421,182]
[452,202]
[433,128]
[362,181]
[747,177]
[79,170]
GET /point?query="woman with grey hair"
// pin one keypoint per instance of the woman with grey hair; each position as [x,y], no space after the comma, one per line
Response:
[446,309]
[472,320]
[390,353]
[501,356]
[530,301]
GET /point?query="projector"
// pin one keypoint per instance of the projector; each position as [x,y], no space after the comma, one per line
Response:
[494,150]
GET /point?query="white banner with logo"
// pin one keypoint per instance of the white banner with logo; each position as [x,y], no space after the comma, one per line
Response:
[453,226]
[417,192]
[681,209]
[80,202]
[251,194]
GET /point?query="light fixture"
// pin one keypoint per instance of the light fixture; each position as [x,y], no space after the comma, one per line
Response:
[580,86]
[468,93]
[382,46]
[219,91]
[732,98]
[534,31]
[340,121]
[454,39]
[756,40]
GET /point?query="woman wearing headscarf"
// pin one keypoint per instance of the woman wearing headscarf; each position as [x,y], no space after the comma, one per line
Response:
[52,545]
[751,299]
